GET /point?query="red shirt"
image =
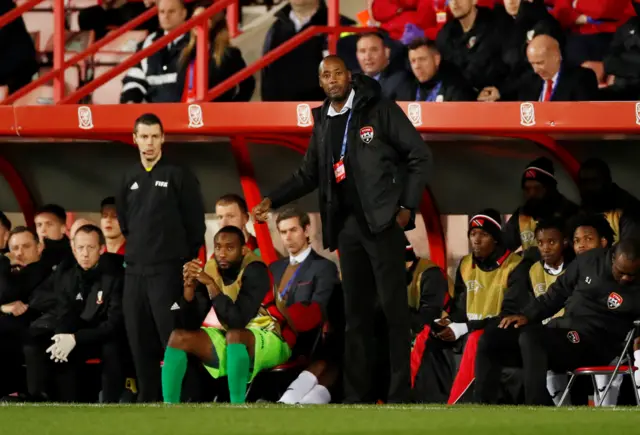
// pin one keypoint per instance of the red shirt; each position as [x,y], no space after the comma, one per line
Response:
[120,250]
[606,15]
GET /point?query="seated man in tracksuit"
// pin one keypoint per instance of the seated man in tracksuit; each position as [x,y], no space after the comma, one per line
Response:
[489,281]
[601,296]
[247,329]
[591,232]
[87,319]
[430,292]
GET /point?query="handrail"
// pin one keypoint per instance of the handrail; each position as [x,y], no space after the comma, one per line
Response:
[93,48]
[19,10]
[277,53]
[201,19]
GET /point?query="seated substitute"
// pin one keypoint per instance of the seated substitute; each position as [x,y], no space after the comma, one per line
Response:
[246,331]
[601,297]
[89,322]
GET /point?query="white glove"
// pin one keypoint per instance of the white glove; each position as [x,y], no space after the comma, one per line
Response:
[636,374]
[62,346]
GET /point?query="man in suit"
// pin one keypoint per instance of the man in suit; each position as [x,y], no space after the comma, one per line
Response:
[556,80]
[374,56]
[433,80]
[306,280]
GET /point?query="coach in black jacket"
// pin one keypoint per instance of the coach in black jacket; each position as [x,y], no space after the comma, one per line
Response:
[161,214]
[370,166]
[600,293]
[88,322]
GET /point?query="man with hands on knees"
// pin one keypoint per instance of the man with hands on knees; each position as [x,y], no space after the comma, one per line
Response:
[242,333]
[370,166]
[89,322]
[601,296]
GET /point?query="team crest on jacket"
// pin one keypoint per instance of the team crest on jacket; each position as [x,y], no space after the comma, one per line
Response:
[573,337]
[366,134]
[614,301]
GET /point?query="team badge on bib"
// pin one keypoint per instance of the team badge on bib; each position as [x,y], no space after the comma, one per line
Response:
[614,301]
[573,337]
[366,134]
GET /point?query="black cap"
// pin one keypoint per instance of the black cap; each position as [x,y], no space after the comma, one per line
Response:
[489,221]
[540,170]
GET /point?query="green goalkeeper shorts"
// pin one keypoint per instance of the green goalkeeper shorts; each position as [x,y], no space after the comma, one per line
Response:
[270,351]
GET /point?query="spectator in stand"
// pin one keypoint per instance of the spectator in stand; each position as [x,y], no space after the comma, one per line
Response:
[88,324]
[555,79]
[433,79]
[591,232]
[522,21]
[293,77]
[622,61]
[114,239]
[542,201]
[17,52]
[115,13]
[5,229]
[305,283]
[373,57]
[232,210]
[404,20]
[472,41]
[592,24]
[601,195]
[155,78]
[224,61]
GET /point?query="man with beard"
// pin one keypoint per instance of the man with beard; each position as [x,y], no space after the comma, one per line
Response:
[542,201]
[601,296]
[601,195]
[370,166]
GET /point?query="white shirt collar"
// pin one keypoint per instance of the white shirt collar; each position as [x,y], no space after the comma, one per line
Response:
[347,106]
[298,259]
[297,22]
[551,271]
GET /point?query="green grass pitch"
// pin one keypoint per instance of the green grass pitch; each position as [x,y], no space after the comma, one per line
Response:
[283,420]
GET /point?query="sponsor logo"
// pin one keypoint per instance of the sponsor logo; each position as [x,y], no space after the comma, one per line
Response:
[587,280]
[162,183]
[414,112]
[304,115]
[99,301]
[527,115]
[540,289]
[638,113]
[366,134]
[573,337]
[477,222]
[614,301]
[85,119]
[134,186]
[195,116]
[472,42]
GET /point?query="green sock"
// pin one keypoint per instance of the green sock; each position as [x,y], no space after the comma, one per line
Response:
[173,371]
[237,371]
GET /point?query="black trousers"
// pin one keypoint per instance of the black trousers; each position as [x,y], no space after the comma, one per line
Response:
[149,295]
[374,264]
[11,371]
[536,349]
[41,370]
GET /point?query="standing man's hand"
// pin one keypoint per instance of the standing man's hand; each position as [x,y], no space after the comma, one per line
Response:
[190,283]
[403,217]
[261,211]
[17,308]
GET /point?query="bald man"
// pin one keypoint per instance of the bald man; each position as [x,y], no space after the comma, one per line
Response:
[556,80]
[370,166]
[77,224]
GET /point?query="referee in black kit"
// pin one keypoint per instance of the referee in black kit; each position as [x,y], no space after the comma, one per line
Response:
[370,166]
[161,214]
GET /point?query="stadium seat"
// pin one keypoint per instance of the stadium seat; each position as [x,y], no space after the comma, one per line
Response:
[624,366]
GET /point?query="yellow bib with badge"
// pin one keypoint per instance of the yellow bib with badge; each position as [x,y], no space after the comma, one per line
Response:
[541,281]
[527,226]
[414,289]
[263,320]
[485,290]
[613,217]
